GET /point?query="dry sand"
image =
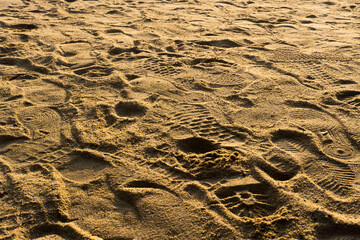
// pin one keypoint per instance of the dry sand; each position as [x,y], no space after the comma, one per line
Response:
[179,119]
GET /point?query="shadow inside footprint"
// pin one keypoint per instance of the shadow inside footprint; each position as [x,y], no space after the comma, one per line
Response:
[350,97]
[196,145]
[130,109]
[94,71]
[279,165]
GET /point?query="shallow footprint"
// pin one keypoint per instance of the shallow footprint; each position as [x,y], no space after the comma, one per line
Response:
[83,166]
[77,54]
[200,121]
[223,43]
[291,55]
[298,63]
[162,66]
[43,123]
[333,176]
[41,92]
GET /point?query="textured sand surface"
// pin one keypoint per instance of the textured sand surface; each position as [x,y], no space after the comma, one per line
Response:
[179,119]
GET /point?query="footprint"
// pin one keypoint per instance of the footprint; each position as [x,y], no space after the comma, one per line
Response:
[94,71]
[246,197]
[351,97]
[161,213]
[333,176]
[279,165]
[37,195]
[83,165]
[46,95]
[329,174]
[292,55]
[222,79]
[211,64]
[106,113]
[118,50]
[10,130]
[310,67]
[333,138]
[101,131]
[316,71]
[336,144]
[77,54]
[200,121]
[213,164]
[294,142]
[152,85]
[130,109]
[23,63]
[43,123]
[163,66]
[238,30]
[219,73]
[43,186]
[42,93]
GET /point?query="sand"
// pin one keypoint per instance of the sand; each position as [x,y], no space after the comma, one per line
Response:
[179,119]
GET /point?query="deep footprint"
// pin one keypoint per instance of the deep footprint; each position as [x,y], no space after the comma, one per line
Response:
[248,198]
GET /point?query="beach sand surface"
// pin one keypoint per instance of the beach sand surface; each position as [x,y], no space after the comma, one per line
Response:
[179,119]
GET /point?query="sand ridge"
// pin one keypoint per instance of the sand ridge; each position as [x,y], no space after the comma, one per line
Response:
[179,119]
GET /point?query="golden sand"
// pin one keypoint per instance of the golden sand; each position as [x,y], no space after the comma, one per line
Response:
[179,119]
